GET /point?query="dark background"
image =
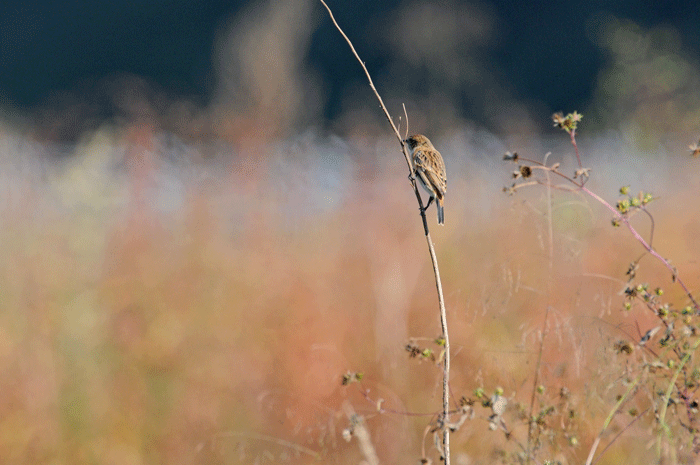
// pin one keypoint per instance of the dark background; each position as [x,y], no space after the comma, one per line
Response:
[47,48]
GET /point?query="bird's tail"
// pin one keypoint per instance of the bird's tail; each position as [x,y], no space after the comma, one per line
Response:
[440,212]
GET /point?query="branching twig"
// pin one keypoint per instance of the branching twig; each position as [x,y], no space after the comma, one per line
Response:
[623,212]
[646,246]
[623,219]
[431,248]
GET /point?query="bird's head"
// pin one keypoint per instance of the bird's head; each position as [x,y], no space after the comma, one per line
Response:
[418,140]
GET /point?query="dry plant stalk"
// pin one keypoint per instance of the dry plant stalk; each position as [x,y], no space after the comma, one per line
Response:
[431,248]
[684,350]
[358,430]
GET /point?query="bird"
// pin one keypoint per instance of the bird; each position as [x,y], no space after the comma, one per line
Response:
[429,168]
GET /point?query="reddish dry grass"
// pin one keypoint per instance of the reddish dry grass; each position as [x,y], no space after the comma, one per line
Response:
[219,333]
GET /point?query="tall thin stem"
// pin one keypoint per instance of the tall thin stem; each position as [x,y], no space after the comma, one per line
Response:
[431,249]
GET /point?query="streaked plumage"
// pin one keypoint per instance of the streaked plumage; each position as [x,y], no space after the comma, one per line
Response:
[430,170]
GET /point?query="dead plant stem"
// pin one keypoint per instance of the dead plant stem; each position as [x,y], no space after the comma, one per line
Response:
[431,249]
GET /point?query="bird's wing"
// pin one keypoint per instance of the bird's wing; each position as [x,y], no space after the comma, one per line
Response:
[430,162]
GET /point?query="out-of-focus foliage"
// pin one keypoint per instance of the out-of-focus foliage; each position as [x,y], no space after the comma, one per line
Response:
[261,69]
[651,86]
[165,301]
[189,281]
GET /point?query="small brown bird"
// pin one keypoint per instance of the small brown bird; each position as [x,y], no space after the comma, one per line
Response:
[430,170]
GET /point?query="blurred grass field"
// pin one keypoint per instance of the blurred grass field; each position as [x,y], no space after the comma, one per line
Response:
[188,302]
[187,282]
